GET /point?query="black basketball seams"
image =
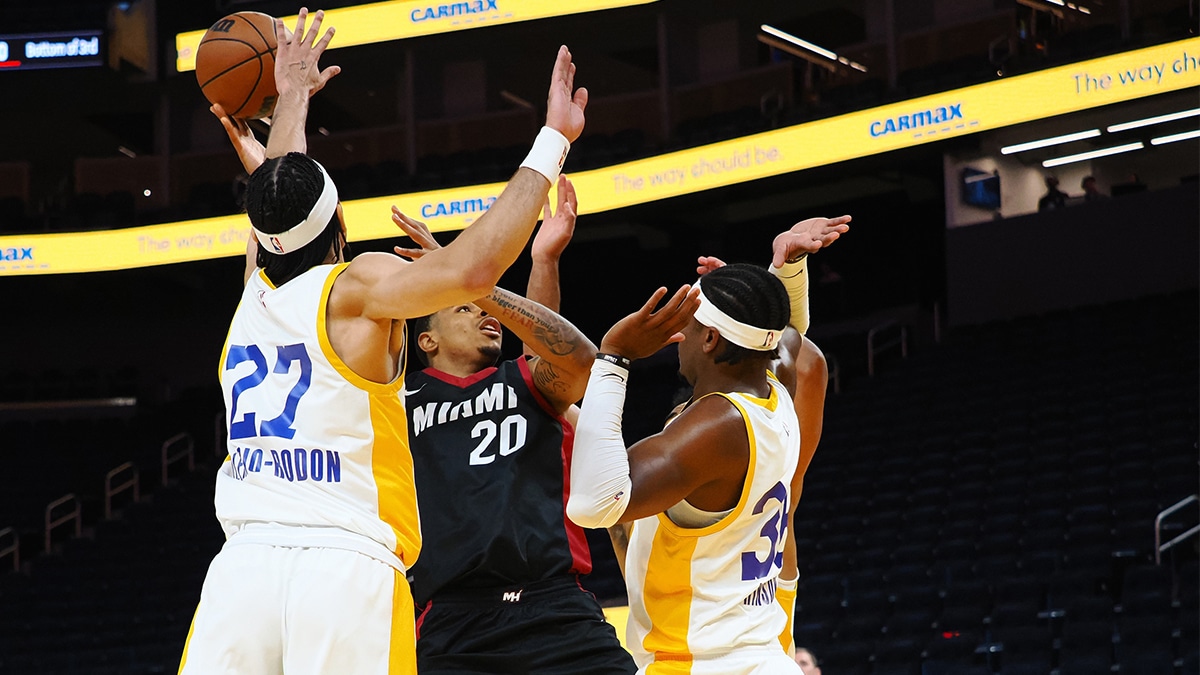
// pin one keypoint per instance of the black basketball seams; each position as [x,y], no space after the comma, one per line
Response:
[254,88]
[256,55]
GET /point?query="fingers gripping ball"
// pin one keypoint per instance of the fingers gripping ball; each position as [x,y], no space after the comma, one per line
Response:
[235,65]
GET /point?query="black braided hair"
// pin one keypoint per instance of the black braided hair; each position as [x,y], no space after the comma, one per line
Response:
[279,196]
[751,295]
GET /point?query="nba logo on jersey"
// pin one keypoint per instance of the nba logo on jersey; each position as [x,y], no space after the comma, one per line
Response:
[277,245]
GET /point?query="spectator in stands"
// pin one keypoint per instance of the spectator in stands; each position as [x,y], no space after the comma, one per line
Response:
[807,662]
[1054,198]
[1091,193]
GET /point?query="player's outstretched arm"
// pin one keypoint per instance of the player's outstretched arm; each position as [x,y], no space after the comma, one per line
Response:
[558,226]
[469,268]
[297,78]
[789,259]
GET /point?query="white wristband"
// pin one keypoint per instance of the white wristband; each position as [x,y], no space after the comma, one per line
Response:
[548,153]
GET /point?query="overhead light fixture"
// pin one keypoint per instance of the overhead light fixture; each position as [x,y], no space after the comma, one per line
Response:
[1084,156]
[1171,117]
[1174,138]
[1047,142]
[790,42]
[1050,5]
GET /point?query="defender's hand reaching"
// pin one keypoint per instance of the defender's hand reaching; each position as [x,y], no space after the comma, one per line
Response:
[565,104]
[297,53]
[646,331]
[558,226]
[807,236]
[418,232]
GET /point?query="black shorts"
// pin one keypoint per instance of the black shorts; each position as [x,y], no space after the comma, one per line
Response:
[552,626]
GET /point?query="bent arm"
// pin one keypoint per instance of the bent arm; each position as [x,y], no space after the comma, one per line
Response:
[464,270]
[563,355]
[610,485]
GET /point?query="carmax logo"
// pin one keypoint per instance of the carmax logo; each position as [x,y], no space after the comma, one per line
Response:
[15,254]
[457,207]
[917,120]
[453,9]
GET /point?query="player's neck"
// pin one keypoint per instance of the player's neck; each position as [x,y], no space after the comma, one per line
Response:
[749,377]
[462,368]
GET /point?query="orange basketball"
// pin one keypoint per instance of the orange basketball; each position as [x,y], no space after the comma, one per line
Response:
[235,64]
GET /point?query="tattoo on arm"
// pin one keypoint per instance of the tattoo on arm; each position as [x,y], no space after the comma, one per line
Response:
[548,328]
[545,377]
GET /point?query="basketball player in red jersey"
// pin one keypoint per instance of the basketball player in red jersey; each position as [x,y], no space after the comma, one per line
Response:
[317,498]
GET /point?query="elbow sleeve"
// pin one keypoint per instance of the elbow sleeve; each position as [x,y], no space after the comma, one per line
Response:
[600,481]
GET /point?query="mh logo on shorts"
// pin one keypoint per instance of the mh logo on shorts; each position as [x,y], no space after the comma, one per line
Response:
[513,596]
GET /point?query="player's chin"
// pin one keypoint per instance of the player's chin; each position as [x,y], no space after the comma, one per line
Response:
[491,349]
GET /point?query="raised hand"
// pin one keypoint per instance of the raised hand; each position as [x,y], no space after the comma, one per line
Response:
[648,330]
[565,104]
[249,149]
[418,232]
[807,236]
[297,53]
[707,263]
[558,226]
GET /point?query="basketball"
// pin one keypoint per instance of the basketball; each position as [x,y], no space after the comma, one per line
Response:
[235,64]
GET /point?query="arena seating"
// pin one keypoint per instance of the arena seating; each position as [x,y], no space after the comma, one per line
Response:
[983,507]
[992,501]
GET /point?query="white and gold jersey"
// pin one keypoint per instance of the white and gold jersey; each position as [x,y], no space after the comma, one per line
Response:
[311,443]
[704,593]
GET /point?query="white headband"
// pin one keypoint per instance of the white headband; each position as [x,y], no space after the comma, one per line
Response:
[308,229]
[740,334]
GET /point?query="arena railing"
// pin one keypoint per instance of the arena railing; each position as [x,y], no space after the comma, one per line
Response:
[874,349]
[186,445]
[73,515]
[111,490]
[1159,547]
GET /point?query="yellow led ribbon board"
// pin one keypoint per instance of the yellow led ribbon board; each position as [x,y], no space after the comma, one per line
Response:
[399,19]
[1005,102]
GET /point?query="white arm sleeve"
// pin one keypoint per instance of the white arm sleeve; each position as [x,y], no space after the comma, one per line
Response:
[795,279]
[600,482]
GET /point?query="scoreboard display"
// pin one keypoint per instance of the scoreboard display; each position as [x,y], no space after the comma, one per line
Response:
[50,50]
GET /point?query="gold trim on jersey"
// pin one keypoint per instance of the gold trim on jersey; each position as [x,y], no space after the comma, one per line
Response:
[262,274]
[667,595]
[724,522]
[392,469]
[336,361]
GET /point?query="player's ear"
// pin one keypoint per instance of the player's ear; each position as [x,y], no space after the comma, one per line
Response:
[427,342]
[709,339]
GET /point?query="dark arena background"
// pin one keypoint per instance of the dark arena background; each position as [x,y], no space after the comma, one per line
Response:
[1008,474]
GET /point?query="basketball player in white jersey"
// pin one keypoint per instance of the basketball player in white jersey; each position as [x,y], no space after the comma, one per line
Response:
[811,375]
[316,498]
[709,496]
